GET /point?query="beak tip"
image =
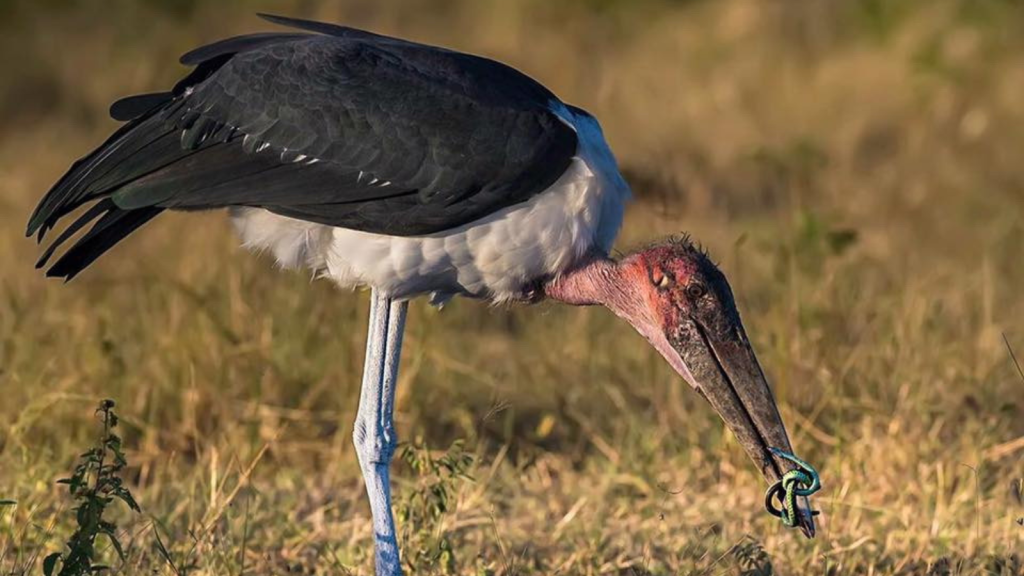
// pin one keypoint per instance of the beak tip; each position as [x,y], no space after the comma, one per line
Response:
[807,528]
[806,518]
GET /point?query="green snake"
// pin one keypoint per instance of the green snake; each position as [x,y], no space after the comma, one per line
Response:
[803,481]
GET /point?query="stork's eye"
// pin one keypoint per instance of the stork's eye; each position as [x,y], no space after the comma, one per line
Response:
[660,280]
[696,290]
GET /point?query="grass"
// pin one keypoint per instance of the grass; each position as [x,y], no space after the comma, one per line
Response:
[854,165]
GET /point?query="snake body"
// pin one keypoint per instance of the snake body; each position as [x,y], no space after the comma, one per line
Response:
[803,481]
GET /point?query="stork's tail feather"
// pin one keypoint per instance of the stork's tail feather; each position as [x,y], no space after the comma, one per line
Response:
[92,179]
[160,131]
[112,226]
[116,162]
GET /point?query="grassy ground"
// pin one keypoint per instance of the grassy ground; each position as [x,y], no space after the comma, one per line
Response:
[855,166]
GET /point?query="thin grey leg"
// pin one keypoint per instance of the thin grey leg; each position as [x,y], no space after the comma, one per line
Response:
[374,433]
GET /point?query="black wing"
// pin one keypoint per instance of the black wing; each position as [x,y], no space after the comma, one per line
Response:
[344,127]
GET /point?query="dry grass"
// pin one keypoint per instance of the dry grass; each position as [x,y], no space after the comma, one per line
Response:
[769,130]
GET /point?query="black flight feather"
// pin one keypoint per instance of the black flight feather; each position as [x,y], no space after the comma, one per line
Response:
[111,228]
[132,107]
[94,212]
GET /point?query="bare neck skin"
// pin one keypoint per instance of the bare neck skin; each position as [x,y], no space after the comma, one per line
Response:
[623,287]
[601,281]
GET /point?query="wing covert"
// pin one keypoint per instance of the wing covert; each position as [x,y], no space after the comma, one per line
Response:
[418,119]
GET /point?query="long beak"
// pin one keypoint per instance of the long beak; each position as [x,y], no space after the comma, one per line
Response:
[727,374]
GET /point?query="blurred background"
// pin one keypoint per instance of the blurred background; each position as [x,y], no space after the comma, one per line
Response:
[854,165]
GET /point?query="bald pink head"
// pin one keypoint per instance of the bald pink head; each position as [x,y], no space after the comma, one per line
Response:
[677,298]
[653,288]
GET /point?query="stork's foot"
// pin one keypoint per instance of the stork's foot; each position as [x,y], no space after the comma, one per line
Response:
[532,293]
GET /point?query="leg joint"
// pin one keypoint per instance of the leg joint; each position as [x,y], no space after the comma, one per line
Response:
[373,443]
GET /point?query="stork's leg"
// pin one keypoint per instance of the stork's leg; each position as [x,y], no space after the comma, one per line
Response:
[374,433]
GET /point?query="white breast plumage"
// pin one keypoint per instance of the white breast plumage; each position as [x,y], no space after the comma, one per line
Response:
[497,257]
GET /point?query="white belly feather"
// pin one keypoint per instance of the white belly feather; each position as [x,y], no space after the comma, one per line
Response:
[496,257]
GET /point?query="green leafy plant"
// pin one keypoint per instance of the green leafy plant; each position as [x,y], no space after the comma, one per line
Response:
[421,511]
[94,485]
[752,559]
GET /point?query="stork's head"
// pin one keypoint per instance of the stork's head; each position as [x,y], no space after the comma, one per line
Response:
[676,297]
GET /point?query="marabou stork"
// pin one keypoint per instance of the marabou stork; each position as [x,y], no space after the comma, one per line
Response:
[411,170]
